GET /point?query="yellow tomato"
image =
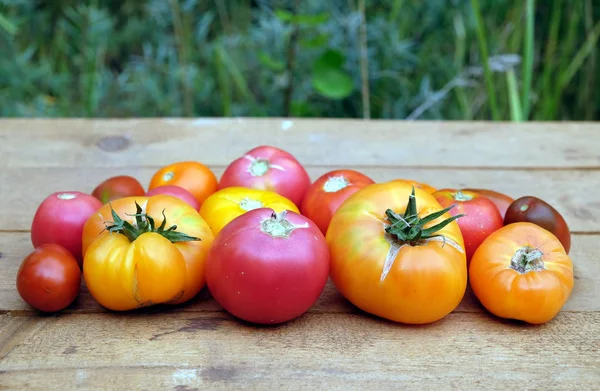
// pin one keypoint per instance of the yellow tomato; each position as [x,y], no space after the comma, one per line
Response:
[231,202]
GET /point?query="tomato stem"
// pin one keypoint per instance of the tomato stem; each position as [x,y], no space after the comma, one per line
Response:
[335,184]
[277,225]
[259,167]
[527,259]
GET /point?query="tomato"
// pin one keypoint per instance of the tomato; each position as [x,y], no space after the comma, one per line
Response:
[481,216]
[60,218]
[49,278]
[151,250]
[268,168]
[418,185]
[502,201]
[118,187]
[328,192]
[522,272]
[227,204]
[266,267]
[537,211]
[394,256]
[175,191]
[194,177]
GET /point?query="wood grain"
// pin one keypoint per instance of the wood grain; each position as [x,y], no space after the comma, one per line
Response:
[316,351]
[141,142]
[17,245]
[567,190]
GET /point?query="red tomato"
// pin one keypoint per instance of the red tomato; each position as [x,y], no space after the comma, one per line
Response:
[481,217]
[502,201]
[60,218]
[328,192]
[176,191]
[268,168]
[118,187]
[268,268]
[49,278]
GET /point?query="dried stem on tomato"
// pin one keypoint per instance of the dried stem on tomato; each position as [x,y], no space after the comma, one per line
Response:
[145,223]
[410,228]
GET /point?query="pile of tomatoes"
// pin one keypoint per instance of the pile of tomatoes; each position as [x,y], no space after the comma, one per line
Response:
[264,240]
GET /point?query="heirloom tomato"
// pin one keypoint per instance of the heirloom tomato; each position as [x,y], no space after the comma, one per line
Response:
[418,185]
[502,201]
[266,267]
[194,177]
[537,211]
[328,192]
[60,218]
[268,168]
[175,191]
[227,204]
[49,278]
[118,187]
[397,254]
[522,272]
[140,251]
[481,217]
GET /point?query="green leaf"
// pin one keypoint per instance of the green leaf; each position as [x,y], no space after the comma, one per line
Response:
[330,59]
[316,42]
[284,16]
[7,25]
[270,62]
[311,20]
[329,79]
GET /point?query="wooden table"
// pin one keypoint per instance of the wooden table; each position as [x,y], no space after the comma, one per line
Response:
[333,346]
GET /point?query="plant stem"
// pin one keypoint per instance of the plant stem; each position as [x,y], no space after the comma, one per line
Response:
[513,91]
[547,89]
[483,50]
[291,64]
[528,57]
[364,61]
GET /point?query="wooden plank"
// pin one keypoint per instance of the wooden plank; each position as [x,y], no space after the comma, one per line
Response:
[567,190]
[316,351]
[16,245]
[135,142]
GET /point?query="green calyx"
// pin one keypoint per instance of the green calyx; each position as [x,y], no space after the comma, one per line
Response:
[410,228]
[145,223]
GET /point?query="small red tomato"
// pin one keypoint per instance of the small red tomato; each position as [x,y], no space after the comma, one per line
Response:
[502,201]
[481,216]
[534,210]
[60,218]
[328,192]
[118,187]
[175,191]
[268,168]
[49,278]
[268,268]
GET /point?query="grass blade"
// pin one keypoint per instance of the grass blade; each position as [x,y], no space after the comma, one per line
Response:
[586,49]
[528,57]
[513,94]
[547,89]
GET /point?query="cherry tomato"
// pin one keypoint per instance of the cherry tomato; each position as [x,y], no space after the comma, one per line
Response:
[537,211]
[418,185]
[268,168]
[502,201]
[481,217]
[522,272]
[118,187]
[268,268]
[49,278]
[60,218]
[175,191]
[194,177]
[328,192]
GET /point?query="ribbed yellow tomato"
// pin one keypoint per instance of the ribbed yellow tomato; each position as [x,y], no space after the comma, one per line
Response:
[393,255]
[231,202]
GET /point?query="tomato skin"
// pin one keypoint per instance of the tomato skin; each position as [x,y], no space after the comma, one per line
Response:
[480,220]
[268,168]
[118,187]
[265,279]
[194,177]
[328,192]
[424,283]
[49,278]
[169,273]
[419,185]
[534,296]
[537,211]
[502,201]
[175,191]
[60,219]
[225,205]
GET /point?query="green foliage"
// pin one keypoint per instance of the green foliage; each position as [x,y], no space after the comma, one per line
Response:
[436,59]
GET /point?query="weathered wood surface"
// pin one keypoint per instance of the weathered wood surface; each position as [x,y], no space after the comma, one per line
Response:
[334,346]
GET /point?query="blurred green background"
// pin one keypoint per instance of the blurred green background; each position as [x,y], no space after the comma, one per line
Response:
[431,59]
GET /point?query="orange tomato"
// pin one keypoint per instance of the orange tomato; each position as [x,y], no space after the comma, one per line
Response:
[418,185]
[391,258]
[132,259]
[225,205]
[194,177]
[522,272]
